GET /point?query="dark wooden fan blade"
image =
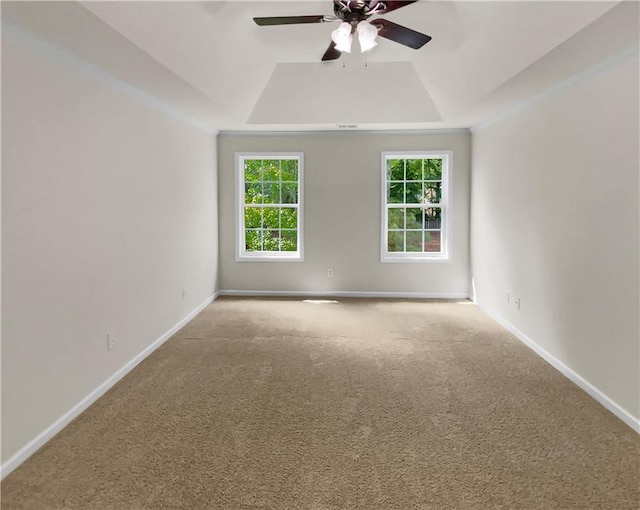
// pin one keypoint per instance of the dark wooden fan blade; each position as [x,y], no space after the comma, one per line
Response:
[332,53]
[400,34]
[288,20]
[390,5]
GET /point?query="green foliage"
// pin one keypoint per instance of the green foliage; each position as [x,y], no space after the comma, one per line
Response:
[253,240]
[271,193]
[252,217]
[252,170]
[414,170]
[395,241]
[289,170]
[395,219]
[272,182]
[289,240]
[417,183]
[414,218]
[413,192]
[252,192]
[395,193]
[289,193]
[270,170]
[271,240]
[414,241]
[288,218]
[395,169]
[432,169]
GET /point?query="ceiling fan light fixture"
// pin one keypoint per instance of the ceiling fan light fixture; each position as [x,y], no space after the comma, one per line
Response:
[342,38]
[367,36]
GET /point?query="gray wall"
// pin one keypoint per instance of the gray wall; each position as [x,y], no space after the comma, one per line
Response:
[108,211]
[342,210]
[555,222]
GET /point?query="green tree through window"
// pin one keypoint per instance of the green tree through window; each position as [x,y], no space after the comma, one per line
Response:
[270,205]
[414,205]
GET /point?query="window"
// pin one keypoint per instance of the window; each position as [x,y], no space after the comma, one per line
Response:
[269,198]
[414,212]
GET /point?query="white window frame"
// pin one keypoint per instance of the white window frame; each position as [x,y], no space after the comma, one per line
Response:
[445,207]
[267,256]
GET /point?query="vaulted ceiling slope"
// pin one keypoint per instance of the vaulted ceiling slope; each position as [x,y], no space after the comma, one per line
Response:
[211,62]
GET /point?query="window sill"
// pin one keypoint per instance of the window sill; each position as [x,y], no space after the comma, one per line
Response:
[294,257]
[408,259]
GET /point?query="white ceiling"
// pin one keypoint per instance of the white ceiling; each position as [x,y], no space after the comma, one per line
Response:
[321,93]
[210,61]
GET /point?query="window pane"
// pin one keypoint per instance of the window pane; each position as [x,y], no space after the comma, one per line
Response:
[253,240]
[271,170]
[288,217]
[395,241]
[252,169]
[289,240]
[414,218]
[252,217]
[432,242]
[289,193]
[395,193]
[433,192]
[270,217]
[432,218]
[395,218]
[271,240]
[252,192]
[271,193]
[414,170]
[395,169]
[432,169]
[414,241]
[289,169]
[413,193]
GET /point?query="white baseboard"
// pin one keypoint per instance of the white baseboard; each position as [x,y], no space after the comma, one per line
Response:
[35,444]
[573,376]
[350,294]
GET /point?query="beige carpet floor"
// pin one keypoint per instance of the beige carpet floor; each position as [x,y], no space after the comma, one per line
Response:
[361,404]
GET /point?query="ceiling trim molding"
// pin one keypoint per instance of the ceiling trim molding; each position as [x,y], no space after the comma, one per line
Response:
[587,74]
[55,53]
[350,132]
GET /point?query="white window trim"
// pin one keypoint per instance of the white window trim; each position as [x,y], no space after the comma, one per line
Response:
[267,256]
[446,214]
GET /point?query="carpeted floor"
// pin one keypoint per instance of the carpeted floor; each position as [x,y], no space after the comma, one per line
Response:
[361,404]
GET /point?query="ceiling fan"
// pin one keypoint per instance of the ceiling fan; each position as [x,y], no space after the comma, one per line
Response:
[354,15]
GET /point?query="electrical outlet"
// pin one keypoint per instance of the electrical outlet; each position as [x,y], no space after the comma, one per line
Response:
[111,342]
[330,273]
[184,293]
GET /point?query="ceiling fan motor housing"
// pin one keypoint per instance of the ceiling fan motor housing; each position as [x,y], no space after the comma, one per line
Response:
[351,11]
